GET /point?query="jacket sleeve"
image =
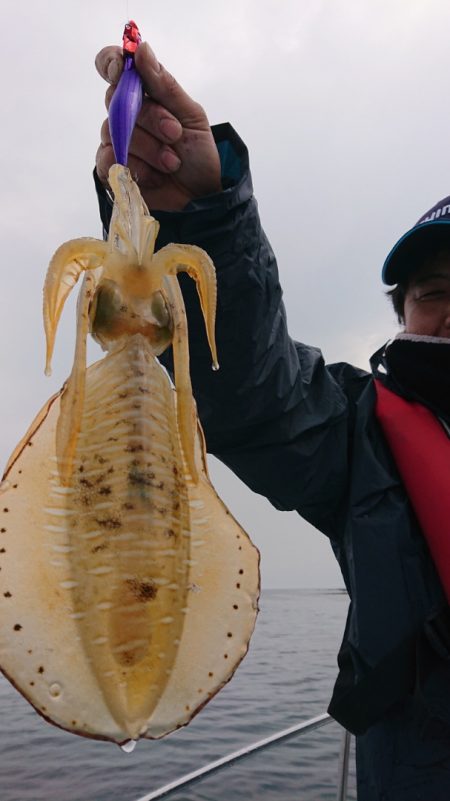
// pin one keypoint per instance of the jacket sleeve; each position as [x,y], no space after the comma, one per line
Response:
[273,412]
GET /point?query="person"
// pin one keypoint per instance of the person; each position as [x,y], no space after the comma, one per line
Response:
[317,438]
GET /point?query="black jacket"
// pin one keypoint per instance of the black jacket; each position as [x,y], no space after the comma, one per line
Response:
[304,435]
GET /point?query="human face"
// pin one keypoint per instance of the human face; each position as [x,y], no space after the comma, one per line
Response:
[427,301]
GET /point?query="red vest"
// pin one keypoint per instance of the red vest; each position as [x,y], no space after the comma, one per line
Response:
[421,449]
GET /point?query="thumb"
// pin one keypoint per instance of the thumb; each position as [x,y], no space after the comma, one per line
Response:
[109,63]
[164,89]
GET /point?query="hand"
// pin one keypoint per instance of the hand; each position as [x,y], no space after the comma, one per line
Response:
[172,155]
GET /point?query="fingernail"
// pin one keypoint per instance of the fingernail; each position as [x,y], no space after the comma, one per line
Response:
[170,128]
[114,70]
[170,161]
[150,56]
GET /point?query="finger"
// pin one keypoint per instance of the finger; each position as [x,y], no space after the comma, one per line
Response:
[104,159]
[163,88]
[144,174]
[154,118]
[109,63]
[158,121]
[147,148]
[108,95]
[105,136]
[158,155]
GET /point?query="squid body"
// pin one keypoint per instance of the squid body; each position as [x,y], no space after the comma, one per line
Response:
[128,592]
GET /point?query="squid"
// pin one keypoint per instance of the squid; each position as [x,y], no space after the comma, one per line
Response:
[128,592]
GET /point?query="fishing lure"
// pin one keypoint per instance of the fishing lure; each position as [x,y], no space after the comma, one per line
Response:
[128,592]
[126,101]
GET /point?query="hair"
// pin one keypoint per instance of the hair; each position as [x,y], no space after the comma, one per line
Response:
[397,297]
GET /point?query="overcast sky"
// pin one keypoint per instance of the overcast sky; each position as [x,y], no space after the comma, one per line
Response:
[343,105]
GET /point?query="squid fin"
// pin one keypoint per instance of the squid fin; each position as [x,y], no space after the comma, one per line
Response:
[31,431]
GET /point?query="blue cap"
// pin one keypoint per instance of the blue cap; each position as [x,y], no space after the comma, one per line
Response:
[433,229]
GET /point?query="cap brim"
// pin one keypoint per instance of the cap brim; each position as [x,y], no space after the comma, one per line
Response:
[410,251]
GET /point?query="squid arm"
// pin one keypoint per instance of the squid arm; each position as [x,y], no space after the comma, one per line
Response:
[131,223]
[63,272]
[186,414]
[173,259]
[72,398]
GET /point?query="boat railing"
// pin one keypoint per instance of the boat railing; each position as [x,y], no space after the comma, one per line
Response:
[285,734]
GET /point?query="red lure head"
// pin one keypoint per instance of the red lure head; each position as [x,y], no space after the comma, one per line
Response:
[131,37]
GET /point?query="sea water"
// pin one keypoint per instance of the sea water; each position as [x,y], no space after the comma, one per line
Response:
[286,677]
